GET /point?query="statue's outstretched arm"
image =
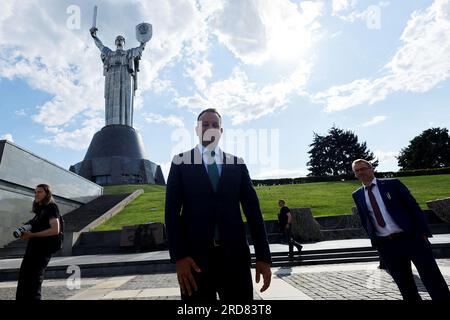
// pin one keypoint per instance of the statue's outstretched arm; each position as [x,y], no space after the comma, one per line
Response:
[104,49]
[137,52]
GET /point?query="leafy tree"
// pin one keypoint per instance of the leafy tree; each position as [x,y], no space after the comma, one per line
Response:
[334,153]
[430,149]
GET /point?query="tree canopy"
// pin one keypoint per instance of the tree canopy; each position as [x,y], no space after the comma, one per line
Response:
[430,149]
[333,154]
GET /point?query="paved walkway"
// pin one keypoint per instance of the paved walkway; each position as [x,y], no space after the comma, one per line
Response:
[164,255]
[350,281]
[358,281]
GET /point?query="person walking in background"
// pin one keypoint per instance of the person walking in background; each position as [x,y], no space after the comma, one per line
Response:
[285,221]
[44,239]
[397,227]
[207,239]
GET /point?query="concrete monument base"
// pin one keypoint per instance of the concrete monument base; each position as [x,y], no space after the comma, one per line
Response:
[116,155]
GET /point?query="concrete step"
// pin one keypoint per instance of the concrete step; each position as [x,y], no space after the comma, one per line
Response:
[15,249]
[327,256]
[12,253]
[298,261]
[327,251]
[100,267]
[440,228]
[93,250]
[17,244]
[343,255]
[341,234]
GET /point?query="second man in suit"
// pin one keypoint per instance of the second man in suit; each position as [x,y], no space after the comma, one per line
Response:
[398,229]
[207,239]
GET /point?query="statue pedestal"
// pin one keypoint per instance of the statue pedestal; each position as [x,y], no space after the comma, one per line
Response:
[116,155]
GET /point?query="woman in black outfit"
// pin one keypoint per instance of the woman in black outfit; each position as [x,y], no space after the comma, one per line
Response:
[42,243]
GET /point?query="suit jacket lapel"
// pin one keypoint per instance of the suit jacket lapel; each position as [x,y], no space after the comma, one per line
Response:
[362,200]
[200,168]
[382,189]
[225,168]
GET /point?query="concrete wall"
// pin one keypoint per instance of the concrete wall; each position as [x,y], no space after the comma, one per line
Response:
[23,168]
[20,172]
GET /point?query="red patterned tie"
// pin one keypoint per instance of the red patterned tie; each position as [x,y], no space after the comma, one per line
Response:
[375,207]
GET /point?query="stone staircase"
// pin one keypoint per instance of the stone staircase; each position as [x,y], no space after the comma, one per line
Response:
[79,218]
[104,266]
[341,255]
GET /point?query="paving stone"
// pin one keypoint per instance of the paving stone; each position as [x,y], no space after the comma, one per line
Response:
[336,282]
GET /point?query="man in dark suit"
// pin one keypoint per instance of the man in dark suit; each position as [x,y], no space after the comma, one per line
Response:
[397,227]
[206,233]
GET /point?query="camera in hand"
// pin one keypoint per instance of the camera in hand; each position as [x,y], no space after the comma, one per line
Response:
[20,230]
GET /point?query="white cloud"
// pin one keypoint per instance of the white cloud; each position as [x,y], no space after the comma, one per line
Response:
[53,130]
[77,139]
[159,86]
[373,121]
[243,100]
[7,136]
[20,113]
[419,65]
[199,70]
[342,5]
[281,173]
[387,160]
[66,64]
[257,31]
[170,120]
[346,10]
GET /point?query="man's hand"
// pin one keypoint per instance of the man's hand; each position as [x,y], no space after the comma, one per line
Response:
[26,235]
[287,226]
[93,31]
[264,269]
[184,275]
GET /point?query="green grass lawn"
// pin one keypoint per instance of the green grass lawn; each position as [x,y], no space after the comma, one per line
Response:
[324,198]
[149,206]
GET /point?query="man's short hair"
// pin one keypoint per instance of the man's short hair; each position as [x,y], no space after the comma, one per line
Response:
[213,110]
[282,201]
[361,161]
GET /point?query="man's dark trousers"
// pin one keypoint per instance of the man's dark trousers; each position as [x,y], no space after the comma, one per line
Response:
[232,281]
[398,252]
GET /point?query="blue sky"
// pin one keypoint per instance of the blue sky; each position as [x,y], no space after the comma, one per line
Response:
[277,70]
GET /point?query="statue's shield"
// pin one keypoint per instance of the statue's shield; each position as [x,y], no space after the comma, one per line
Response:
[143,32]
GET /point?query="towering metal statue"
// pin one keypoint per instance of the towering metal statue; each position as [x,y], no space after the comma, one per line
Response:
[116,154]
[120,68]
